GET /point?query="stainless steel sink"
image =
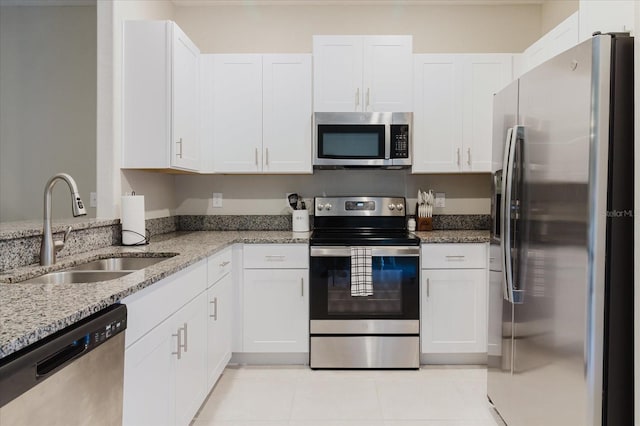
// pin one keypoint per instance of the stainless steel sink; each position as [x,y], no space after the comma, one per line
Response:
[72,277]
[98,270]
[118,264]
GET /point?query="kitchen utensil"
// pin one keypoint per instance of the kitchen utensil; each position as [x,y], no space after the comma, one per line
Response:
[293,201]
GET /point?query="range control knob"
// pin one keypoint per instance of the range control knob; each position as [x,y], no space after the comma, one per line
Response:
[392,207]
[328,206]
[320,206]
[399,207]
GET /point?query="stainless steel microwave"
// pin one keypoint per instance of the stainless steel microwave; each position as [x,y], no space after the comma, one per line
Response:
[362,139]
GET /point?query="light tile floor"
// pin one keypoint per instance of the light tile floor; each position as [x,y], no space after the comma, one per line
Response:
[299,396]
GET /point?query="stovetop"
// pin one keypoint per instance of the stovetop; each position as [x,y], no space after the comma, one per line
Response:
[353,237]
[362,221]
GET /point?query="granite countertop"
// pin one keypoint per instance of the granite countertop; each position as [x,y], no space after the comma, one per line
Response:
[30,312]
[450,236]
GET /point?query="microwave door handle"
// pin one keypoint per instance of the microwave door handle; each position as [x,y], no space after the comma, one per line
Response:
[505,225]
[387,141]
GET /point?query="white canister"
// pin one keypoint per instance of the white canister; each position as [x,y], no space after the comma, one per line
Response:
[300,221]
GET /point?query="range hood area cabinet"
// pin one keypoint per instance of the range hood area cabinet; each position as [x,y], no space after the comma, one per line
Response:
[160,97]
[362,73]
[453,109]
[256,113]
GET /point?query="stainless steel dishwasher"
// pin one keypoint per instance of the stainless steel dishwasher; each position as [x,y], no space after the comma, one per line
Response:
[73,377]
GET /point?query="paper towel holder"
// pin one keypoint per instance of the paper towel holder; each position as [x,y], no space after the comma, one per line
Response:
[137,238]
[145,238]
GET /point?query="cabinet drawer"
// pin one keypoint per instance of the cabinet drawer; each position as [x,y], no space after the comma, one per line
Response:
[454,256]
[218,265]
[280,256]
[152,305]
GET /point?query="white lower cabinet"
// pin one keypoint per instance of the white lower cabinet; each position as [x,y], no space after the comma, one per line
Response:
[220,313]
[275,302]
[165,356]
[454,299]
[164,380]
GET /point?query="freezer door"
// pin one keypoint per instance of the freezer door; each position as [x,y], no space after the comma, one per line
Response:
[505,116]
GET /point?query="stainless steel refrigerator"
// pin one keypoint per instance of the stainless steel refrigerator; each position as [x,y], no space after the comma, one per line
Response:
[561,281]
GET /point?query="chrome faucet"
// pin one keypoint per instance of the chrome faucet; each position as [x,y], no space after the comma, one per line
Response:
[49,248]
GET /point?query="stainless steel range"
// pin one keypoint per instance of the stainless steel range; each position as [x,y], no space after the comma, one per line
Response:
[364,285]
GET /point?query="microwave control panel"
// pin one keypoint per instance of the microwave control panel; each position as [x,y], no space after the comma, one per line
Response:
[399,141]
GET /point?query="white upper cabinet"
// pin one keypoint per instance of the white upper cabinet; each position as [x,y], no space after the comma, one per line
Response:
[453,98]
[160,97]
[237,113]
[258,113]
[606,16]
[362,73]
[286,113]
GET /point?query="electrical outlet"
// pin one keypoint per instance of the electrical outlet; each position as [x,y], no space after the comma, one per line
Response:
[440,199]
[93,199]
[216,201]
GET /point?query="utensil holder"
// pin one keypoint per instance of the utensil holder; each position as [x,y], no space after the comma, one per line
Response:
[300,221]
[425,224]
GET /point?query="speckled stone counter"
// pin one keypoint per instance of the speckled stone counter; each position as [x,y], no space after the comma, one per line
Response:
[450,236]
[30,312]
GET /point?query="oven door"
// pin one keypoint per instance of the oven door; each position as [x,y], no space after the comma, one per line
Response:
[395,277]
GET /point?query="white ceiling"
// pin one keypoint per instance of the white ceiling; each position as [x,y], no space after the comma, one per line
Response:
[351,2]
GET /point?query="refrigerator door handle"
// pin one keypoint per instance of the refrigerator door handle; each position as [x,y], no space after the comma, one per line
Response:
[505,220]
[504,202]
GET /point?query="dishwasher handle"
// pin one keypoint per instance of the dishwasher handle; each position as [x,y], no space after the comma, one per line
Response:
[62,357]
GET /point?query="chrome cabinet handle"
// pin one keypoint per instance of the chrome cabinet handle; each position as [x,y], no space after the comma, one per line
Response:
[179,154]
[178,335]
[302,287]
[184,345]
[458,156]
[428,286]
[225,263]
[275,258]
[367,104]
[454,258]
[469,156]
[266,155]
[256,156]
[214,302]
[357,97]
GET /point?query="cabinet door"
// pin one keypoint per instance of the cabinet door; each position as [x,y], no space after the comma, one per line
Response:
[454,311]
[149,379]
[276,310]
[484,75]
[185,143]
[387,74]
[190,384]
[337,73]
[437,118]
[220,312]
[237,113]
[286,127]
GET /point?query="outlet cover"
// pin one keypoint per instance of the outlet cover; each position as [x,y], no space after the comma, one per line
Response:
[217,200]
[93,199]
[440,199]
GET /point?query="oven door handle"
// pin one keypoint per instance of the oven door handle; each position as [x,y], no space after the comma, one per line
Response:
[379,251]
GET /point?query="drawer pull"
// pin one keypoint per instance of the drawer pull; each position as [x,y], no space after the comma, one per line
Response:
[276,258]
[302,287]
[428,285]
[225,263]
[455,257]
[214,302]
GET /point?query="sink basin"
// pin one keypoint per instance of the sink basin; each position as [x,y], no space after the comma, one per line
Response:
[72,277]
[118,264]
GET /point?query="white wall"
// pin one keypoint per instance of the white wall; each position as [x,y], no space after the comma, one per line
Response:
[47,107]
[158,189]
[465,194]
[288,29]
[556,11]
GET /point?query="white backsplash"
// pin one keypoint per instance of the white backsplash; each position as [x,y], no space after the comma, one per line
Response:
[265,194]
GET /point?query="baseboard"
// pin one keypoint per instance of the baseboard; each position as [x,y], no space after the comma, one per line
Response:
[473,358]
[292,358]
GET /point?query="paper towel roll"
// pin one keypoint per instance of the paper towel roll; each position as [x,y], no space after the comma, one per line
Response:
[132,218]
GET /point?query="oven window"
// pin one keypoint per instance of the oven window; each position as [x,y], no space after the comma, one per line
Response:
[351,141]
[395,289]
